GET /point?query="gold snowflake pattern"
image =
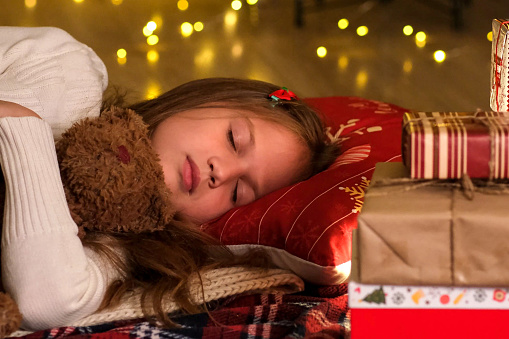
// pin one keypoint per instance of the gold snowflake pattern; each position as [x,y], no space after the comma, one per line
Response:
[357,193]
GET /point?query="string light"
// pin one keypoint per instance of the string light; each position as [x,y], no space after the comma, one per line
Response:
[116,2]
[343,23]
[343,62]
[362,30]
[78,1]
[439,56]
[408,30]
[252,2]
[407,66]
[198,26]
[236,4]
[152,56]
[151,25]
[152,40]
[121,61]
[361,79]
[30,3]
[186,29]
[182,5]
[321,52]
[121,53]
[420,36]
[147,31]
[489,36]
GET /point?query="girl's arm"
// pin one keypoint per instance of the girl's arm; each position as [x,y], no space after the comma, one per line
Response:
[45,268]
[48,71]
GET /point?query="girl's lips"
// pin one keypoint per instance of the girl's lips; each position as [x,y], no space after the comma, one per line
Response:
[190,175]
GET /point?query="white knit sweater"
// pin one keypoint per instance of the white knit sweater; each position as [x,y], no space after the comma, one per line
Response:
[44,266]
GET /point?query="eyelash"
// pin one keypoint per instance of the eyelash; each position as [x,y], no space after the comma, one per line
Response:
[231,140]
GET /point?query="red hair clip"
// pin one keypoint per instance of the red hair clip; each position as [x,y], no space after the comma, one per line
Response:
[282,94]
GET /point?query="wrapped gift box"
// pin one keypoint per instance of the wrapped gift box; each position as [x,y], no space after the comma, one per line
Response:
[424,233]
[447,145]
[499,98]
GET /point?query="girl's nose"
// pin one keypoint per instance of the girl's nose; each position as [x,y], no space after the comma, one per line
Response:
[222,170]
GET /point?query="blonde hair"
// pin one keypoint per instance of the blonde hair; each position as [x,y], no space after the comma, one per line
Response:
[162,263]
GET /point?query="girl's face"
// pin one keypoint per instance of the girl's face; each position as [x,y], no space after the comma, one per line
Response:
[215,159]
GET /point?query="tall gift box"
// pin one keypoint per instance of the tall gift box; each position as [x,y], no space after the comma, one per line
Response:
[499,95]
[431,233]
[447,145]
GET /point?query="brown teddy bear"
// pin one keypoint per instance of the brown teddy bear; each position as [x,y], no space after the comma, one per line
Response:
[112,180]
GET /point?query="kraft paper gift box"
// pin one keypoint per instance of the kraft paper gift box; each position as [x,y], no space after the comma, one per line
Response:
[425,233]
[447,145]
[499,94]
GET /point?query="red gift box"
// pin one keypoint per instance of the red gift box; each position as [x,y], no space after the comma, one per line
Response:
[447,145]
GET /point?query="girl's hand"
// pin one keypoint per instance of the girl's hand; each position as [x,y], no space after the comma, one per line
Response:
[11,109]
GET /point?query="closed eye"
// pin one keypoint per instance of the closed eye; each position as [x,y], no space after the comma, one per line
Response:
[234,194]
[231,140]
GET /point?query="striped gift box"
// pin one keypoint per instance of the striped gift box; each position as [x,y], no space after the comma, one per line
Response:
[446,145]
[499,94]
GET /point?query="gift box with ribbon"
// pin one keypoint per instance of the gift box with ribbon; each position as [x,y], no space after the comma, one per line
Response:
[425,232]
[448,145]
[499,95]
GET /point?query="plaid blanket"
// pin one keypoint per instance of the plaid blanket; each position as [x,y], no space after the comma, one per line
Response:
[318,312]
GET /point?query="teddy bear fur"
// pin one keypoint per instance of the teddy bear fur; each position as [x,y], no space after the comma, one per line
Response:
[113,182]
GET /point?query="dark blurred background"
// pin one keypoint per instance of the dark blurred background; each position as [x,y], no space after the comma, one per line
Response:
[293,43]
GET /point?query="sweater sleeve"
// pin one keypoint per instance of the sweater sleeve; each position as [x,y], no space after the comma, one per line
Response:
[45,268]
[47,70]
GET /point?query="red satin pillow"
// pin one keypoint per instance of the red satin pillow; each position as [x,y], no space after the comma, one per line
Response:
[307,227]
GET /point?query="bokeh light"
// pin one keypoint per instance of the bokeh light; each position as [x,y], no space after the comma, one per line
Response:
[198,26]
[489,36]
[237,50]
[121,53]
[230,19]
[321,52]
[152,40]
[408,30]
[236,4]
[362,30]
[439,56]
[252,2]
[121,61]
[420,36]
[147,31]
[182,5]
[408,66]
[343,23]
[343,62]
[78,1]
[186,29]
[116,2]
[30,3]
[361,79]
[151,25]
[152,56]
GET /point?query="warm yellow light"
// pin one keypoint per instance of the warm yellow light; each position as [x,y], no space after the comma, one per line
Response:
[152,40]
[237,50]
[407,66]
[182,5]
[153,91]
[30,3]
[489,36]
[362,30]
[198,26]
[361,79]
[121,61]
[230,18]
[420,44]
[151,25]
[321,52]
[343,62]
[121,53]
[420,36]
[252,2]
[343,23]
[439,56]
[408,30]
[78,1]
[147,31]
[116,2]
[236,4]
[152,56]
[186,29]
